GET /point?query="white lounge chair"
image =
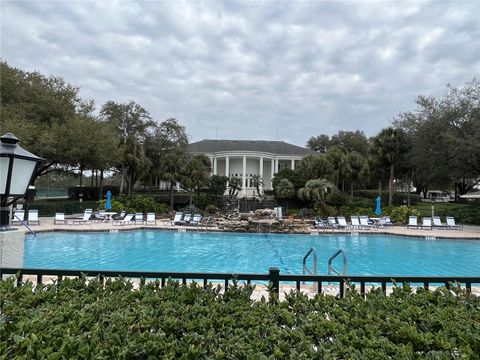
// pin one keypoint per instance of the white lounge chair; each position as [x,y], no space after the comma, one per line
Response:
[99,216]
[342,222]
[412,222]
[364,222]
[320,223]
[151,219]
[121,216]
[437,223]
[85,219]
[18,216]
[452,225]
[385,221]
[127,220]
[187,218]
[138,218]
[355,222]
[177,219]
[59,218]
[332,222]
[33,217]
[195,220]
[427,223]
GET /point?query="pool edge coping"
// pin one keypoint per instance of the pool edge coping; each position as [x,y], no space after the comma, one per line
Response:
[213,230]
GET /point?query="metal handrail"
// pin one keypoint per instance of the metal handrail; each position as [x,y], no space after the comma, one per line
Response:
[315,267]
[345,265]
[23,222]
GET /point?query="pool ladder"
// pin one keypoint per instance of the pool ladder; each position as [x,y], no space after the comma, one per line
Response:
[331,269]
[305,268]
[345,265]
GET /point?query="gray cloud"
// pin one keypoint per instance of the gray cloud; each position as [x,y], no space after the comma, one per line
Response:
[251,69]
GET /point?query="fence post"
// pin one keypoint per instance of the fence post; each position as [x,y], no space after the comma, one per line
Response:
[274,278]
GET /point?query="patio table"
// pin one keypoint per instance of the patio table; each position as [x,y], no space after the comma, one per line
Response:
[108,215]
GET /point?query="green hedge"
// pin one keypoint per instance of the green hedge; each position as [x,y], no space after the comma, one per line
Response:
[78,319]
[49,208]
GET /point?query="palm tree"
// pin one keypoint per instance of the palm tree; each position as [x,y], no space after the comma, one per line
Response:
[316,191]
[339,162]
[195,174]
[390,147]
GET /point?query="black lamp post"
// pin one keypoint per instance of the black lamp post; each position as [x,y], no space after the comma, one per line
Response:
[17,167]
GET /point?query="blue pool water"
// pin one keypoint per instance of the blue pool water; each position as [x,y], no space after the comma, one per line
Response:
[250,253]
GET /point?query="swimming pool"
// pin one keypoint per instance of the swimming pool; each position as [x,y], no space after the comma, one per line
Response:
[249,253]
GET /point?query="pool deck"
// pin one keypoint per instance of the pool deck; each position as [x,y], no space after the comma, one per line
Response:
[47,225]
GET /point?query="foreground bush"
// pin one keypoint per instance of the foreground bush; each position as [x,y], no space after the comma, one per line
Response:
[79,319]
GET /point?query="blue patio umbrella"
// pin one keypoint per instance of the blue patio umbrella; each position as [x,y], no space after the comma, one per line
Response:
[108,203]
[378,209]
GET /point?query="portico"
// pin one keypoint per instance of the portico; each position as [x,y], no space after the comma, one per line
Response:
[247,158]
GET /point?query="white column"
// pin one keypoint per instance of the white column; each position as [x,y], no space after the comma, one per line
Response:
[293,164]
[272,168]
[276,165]
[261,173]
[244,176]
[211,165]
[177,186]
[227,166]
[214,166]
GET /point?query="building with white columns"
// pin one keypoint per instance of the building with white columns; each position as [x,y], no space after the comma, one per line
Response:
[245,158]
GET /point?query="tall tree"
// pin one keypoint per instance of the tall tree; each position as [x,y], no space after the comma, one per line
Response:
[350,141]
[320,143]
[446,134]
[338,159]
[358,165]
[132,123]
[172,141]
[390,147]
[314,167]
[36,108]
[195,174]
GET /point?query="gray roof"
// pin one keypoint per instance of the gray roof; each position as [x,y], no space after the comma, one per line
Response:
[274,147]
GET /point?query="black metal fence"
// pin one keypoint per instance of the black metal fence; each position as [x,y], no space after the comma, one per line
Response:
[273,277]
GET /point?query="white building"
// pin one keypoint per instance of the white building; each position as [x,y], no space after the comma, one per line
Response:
[245,158]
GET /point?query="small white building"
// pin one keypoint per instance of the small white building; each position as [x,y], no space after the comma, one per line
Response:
[245,158]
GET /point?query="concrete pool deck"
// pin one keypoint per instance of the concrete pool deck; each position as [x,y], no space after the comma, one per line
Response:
[47,225]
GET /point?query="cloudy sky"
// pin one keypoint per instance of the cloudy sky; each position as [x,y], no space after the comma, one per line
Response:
[254,69]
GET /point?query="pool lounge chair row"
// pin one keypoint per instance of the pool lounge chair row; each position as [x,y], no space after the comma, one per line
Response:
[19,217]
[137,219]
[357,222]
[437,223]
[89,217]
[190,219]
